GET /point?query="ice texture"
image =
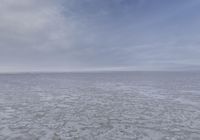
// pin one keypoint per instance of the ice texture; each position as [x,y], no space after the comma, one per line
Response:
[100,106]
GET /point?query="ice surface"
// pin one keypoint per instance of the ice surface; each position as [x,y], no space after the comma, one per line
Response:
[100,106]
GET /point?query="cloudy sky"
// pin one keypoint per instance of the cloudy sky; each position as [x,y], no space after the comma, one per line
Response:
[65,35]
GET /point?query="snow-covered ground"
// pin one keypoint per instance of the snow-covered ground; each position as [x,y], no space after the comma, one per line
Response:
[100,106]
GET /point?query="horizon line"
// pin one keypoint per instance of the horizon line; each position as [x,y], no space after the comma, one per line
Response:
[91,71]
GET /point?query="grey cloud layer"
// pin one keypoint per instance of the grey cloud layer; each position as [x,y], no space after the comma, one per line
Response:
[98,34]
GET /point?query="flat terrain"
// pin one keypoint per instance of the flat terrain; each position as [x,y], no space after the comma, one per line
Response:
[100,106]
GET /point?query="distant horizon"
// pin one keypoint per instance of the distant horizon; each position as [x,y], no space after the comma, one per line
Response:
[94,71]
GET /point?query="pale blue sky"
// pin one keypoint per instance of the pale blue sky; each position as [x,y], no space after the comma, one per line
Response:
[64,35]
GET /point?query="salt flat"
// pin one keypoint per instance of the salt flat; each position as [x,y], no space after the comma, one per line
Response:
[100,106]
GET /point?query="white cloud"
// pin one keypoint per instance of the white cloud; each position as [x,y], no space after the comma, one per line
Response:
[36,24]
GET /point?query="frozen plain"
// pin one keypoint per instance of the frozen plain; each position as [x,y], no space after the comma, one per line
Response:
[100,106]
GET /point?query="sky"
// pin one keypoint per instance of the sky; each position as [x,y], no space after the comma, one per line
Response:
[76,35]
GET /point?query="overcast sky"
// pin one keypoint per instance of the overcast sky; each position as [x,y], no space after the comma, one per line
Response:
[64,35]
